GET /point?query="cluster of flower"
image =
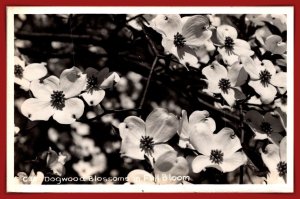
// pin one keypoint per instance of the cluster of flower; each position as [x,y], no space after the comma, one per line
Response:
[59,97]
[238,71]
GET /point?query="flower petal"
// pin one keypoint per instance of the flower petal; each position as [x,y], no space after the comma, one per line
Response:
[187,56]
[224,31]
[195,30]
[18,61]
[44,89]
[133,127]
[279,79]
[169,164]
[36,109]
[184,130]
[212,86]
[198,137]
[229,97]
[274,121]
[228,58]
[131,147]
[167,24]
[215,72]
[24,83]
[93,99]
[267,94]
[233,162]
[139,176]
[282,148]
[254,120]
[275,45]
[237,74]
[227,142]
[72,82]
[201,162]
[35,71]
[161,125]
[242,48]
[73,110]
[110,81]
[267,64]
[250,67]
[38,178]
[271,158]
[160,149]
[202,117]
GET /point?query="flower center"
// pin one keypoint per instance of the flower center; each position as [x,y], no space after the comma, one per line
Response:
[265,78]
[147,144]
[266,127]
[19,71]
[282,168]
[229,45]
[216,156]
[58,100]
[179,40]
[224,85]
[92,84]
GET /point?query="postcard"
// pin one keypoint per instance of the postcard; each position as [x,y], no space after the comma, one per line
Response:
[150,99]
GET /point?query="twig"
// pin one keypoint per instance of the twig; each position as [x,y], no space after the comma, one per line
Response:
[151,43]
[231,116]
[106,112]
[64,37]
[148,82]
[242,139]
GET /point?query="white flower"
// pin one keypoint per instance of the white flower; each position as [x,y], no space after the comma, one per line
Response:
[226,83]
[25,74]
[96,82]
[56,97]
[181,35]
[275,45]
[263,78]
[168,169]
[148,138]
[220,150]
[230,46]
[33,178]
[275,160]
[198,119]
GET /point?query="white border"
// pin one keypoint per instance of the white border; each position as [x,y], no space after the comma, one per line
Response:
[289,187]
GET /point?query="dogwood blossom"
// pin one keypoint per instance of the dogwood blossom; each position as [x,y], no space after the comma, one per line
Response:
[263,78]
[168,169]
[225,82]
[33,178]
[55,161]
[230,47]
[56,97]
[181,35]
[25,74]
[96,82]
[198,119]
[221,150]
[265,126]
[275,159]
[148,138]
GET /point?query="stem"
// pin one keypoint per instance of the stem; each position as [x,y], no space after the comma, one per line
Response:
[242,140]
[231,116]
[109,112]
[148,82]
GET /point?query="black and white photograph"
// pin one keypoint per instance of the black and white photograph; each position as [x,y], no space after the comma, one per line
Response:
[186,98]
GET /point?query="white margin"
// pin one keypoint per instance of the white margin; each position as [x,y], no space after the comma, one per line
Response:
[287,188]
